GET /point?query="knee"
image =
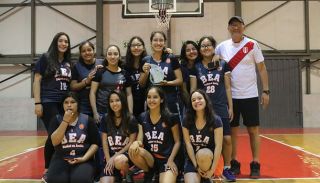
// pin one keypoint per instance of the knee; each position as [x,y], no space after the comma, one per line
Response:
[227,141]
[121,161]
[253,131]
[204,158]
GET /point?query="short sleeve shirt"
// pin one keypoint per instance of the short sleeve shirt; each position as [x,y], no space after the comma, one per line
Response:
[243,76]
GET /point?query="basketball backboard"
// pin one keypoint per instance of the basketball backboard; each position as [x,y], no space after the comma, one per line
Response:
[143,8]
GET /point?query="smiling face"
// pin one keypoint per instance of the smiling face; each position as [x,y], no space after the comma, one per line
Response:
[63,44]
[206,48]
[136,48]
[70,104]
[153,99]
[198,101]
[113,56]
[87,53]
[236,30]
[157,42]
[191,52]
[115,104]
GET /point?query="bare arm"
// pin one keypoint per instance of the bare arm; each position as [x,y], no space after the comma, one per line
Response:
[129,99]
[93,103]
[58,134]
[176,138]
[178,81]
[144,75]
[227,83]
[90,152]
[189,147]
[36,93]
[193,84]
[265,83]
[132,138]
[218,138]
[105,146]
[76,86]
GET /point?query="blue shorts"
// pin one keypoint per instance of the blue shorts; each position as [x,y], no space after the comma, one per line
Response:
[188,166]
[226,126]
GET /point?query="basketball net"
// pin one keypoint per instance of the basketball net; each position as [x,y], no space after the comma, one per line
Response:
[163,16]
[163,19]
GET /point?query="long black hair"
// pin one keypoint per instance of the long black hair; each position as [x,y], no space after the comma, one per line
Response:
[126,117]
[183,55]
[53,55]
[129,57]
[164,111]
[80,47]
[190,116]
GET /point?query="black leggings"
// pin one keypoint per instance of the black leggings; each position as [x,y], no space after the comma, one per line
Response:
[50,110]
[60,171]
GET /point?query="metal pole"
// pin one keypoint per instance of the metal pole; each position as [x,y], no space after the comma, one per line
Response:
[99,28]
[33,38]
[237,8]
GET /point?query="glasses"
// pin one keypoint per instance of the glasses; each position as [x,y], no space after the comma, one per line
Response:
[206,46]
[135,45]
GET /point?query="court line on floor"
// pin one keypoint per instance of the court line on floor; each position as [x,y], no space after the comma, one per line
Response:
[24,152]
[293,147]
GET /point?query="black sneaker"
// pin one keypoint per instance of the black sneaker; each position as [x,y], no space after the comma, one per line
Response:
[148,176]
[235,167]
[254,170]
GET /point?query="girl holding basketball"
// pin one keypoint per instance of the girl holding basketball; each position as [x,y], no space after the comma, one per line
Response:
[202,132]
[118,130]
[158,139]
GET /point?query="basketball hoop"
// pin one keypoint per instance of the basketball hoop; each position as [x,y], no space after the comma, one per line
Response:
[162,16]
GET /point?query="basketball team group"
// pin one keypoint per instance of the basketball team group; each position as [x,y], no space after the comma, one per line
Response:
[174,119]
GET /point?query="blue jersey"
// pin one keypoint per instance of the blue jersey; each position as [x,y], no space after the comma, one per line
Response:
[212,82]
[168,66]
[78,137]
[81,71]
[203,138]
[138,92]
[158,138]
[186,73]
[53,87]
[109,81]
[116,139]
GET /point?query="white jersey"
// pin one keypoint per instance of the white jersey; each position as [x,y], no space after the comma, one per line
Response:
[243,76]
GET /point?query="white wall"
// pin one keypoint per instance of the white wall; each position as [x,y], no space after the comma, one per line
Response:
[282,29]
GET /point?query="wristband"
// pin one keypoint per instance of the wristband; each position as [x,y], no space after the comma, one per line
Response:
[37,103]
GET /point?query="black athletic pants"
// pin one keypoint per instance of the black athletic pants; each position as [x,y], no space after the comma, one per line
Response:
[50,110]
[60,171]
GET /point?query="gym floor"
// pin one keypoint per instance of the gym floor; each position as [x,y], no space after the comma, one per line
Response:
[287,155]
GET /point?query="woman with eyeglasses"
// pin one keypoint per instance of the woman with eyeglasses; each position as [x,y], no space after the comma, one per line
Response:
[214,77]
[136,51]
